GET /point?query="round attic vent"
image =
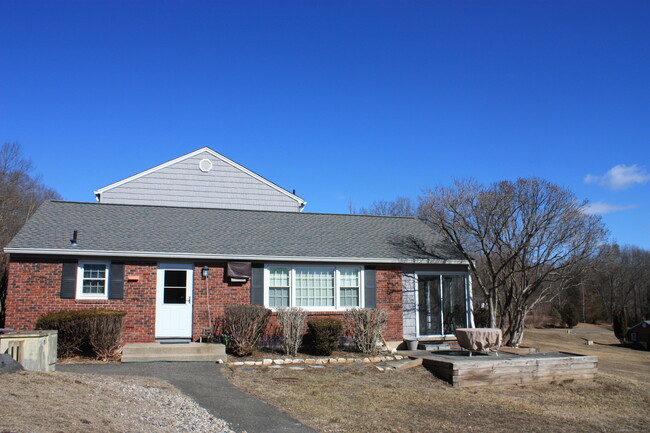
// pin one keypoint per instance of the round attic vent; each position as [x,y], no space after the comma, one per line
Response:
[205,165]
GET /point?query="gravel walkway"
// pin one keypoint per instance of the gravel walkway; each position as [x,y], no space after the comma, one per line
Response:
[172,412]
[205,383]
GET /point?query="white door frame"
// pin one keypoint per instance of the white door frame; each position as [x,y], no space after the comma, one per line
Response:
[174,320]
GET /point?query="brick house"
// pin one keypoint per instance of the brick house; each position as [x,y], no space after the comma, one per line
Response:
[175,244]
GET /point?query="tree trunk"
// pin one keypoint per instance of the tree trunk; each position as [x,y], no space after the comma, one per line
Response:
[493,311]
[516,328]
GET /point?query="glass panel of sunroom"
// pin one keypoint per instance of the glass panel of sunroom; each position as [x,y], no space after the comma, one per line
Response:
[453,299]
[429,305]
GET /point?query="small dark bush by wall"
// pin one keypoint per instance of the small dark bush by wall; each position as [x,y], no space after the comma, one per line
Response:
[570,315]
[96,331]
[324,334]
[245,324]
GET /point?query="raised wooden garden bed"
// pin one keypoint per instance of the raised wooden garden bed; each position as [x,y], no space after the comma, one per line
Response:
[459,369]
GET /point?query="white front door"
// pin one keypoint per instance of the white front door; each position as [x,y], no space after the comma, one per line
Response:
[174,300]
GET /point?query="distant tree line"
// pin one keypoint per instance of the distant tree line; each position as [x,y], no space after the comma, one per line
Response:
[21,192]
[616,280]
[531,247]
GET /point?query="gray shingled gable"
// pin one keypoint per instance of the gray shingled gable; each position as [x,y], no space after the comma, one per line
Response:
[199,232]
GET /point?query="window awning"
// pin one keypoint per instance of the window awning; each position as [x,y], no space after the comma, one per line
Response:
[239,270]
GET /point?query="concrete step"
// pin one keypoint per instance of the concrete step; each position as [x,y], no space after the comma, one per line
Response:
[149,352]
[435,346]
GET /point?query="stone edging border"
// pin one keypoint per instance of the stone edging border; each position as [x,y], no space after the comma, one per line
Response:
[315,361]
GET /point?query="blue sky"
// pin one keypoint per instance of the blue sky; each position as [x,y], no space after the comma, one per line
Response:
[343,101]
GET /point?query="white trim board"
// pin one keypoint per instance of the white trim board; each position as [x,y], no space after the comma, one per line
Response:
[232,163]
[203,256]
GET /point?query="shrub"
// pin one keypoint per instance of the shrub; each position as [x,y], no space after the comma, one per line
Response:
[569,314]
[105,333]
[292,325]
[481,317]
[245,324]
[324,334]
[97,331]
[556,316]
[366,325]
[621,325]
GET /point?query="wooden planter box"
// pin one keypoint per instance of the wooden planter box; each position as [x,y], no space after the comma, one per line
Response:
[480,370]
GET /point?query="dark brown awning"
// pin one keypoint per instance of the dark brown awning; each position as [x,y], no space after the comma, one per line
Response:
[239,270]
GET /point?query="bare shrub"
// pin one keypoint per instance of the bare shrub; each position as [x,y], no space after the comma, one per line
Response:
[105,334]
[292,326]
[366,325]
[95,331]
[245,324]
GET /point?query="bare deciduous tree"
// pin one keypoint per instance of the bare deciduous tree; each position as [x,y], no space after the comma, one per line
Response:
[620,279]
[401,206]
[21,193]
[523,239]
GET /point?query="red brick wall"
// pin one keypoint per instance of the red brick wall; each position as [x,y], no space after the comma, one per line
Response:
[34,290]
[389,297]
[212,294]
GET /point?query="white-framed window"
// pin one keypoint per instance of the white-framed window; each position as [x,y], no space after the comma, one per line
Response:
[278,286]
[92,280]
[313,287]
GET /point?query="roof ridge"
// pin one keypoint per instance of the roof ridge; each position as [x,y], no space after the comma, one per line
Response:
[227,209]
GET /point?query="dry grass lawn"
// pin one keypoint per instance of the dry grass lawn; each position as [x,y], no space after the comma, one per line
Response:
[612,358]
[359,398]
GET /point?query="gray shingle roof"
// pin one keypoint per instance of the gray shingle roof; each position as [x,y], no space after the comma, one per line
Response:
[157,231]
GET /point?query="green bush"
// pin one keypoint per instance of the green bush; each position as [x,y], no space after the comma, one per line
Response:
[324,334]
[96,331]
[570,315]
[245,324]
[621,325]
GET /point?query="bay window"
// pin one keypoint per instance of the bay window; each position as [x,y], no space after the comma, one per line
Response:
[314,288]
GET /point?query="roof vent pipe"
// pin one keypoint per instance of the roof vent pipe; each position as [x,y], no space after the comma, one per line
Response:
[73,241]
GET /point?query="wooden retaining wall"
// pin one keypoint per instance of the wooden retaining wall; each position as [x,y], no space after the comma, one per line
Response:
[516,371]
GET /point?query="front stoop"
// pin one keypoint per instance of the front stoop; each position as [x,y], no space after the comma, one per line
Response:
[187,352]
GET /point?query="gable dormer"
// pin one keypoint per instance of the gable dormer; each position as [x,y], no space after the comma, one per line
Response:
[203,178]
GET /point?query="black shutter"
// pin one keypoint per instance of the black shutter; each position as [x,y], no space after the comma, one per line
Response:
[69,280]
[257,285]
[116,286]
[370,287]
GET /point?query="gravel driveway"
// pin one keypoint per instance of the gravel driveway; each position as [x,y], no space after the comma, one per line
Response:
[204,382]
